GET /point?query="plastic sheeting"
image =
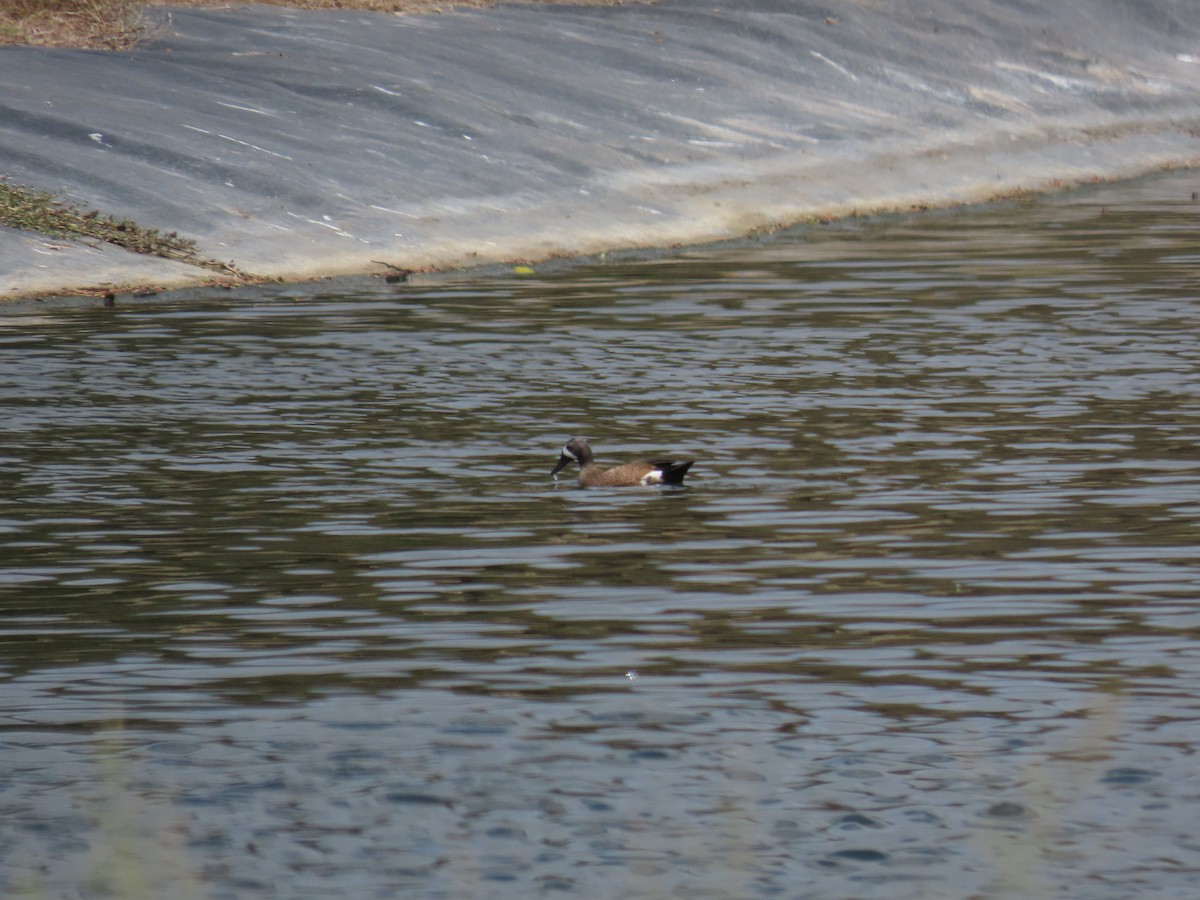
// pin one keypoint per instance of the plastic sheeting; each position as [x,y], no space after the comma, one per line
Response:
[299,144]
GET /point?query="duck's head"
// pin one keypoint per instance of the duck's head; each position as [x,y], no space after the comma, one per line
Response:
[575,450]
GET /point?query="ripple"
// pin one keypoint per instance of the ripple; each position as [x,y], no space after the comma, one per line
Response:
[292,578]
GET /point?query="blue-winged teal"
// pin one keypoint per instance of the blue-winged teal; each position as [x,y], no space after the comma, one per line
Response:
[651,471]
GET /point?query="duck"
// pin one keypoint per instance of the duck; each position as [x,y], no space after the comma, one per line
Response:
[630,474]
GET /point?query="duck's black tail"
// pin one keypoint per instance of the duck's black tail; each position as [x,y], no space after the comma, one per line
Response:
[672,471]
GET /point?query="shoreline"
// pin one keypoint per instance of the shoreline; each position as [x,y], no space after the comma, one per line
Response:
[300,145]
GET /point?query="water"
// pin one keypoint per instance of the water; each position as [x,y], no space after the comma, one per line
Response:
[291,607]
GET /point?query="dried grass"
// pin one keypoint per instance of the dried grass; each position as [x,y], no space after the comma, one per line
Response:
[119,25]
[104,24]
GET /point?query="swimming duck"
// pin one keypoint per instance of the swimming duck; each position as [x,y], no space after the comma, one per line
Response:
[642,472]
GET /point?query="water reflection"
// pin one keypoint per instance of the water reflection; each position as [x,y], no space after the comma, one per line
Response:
[922,623]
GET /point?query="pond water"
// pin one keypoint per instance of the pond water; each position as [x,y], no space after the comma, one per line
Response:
[292,608]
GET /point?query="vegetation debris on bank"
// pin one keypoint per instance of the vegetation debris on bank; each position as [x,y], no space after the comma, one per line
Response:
[29,209]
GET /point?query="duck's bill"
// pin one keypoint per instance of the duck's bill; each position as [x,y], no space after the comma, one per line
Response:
[563,462]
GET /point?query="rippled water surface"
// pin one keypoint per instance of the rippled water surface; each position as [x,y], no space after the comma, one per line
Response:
[291,607]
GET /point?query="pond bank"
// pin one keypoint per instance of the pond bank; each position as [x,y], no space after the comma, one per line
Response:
[302,144]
